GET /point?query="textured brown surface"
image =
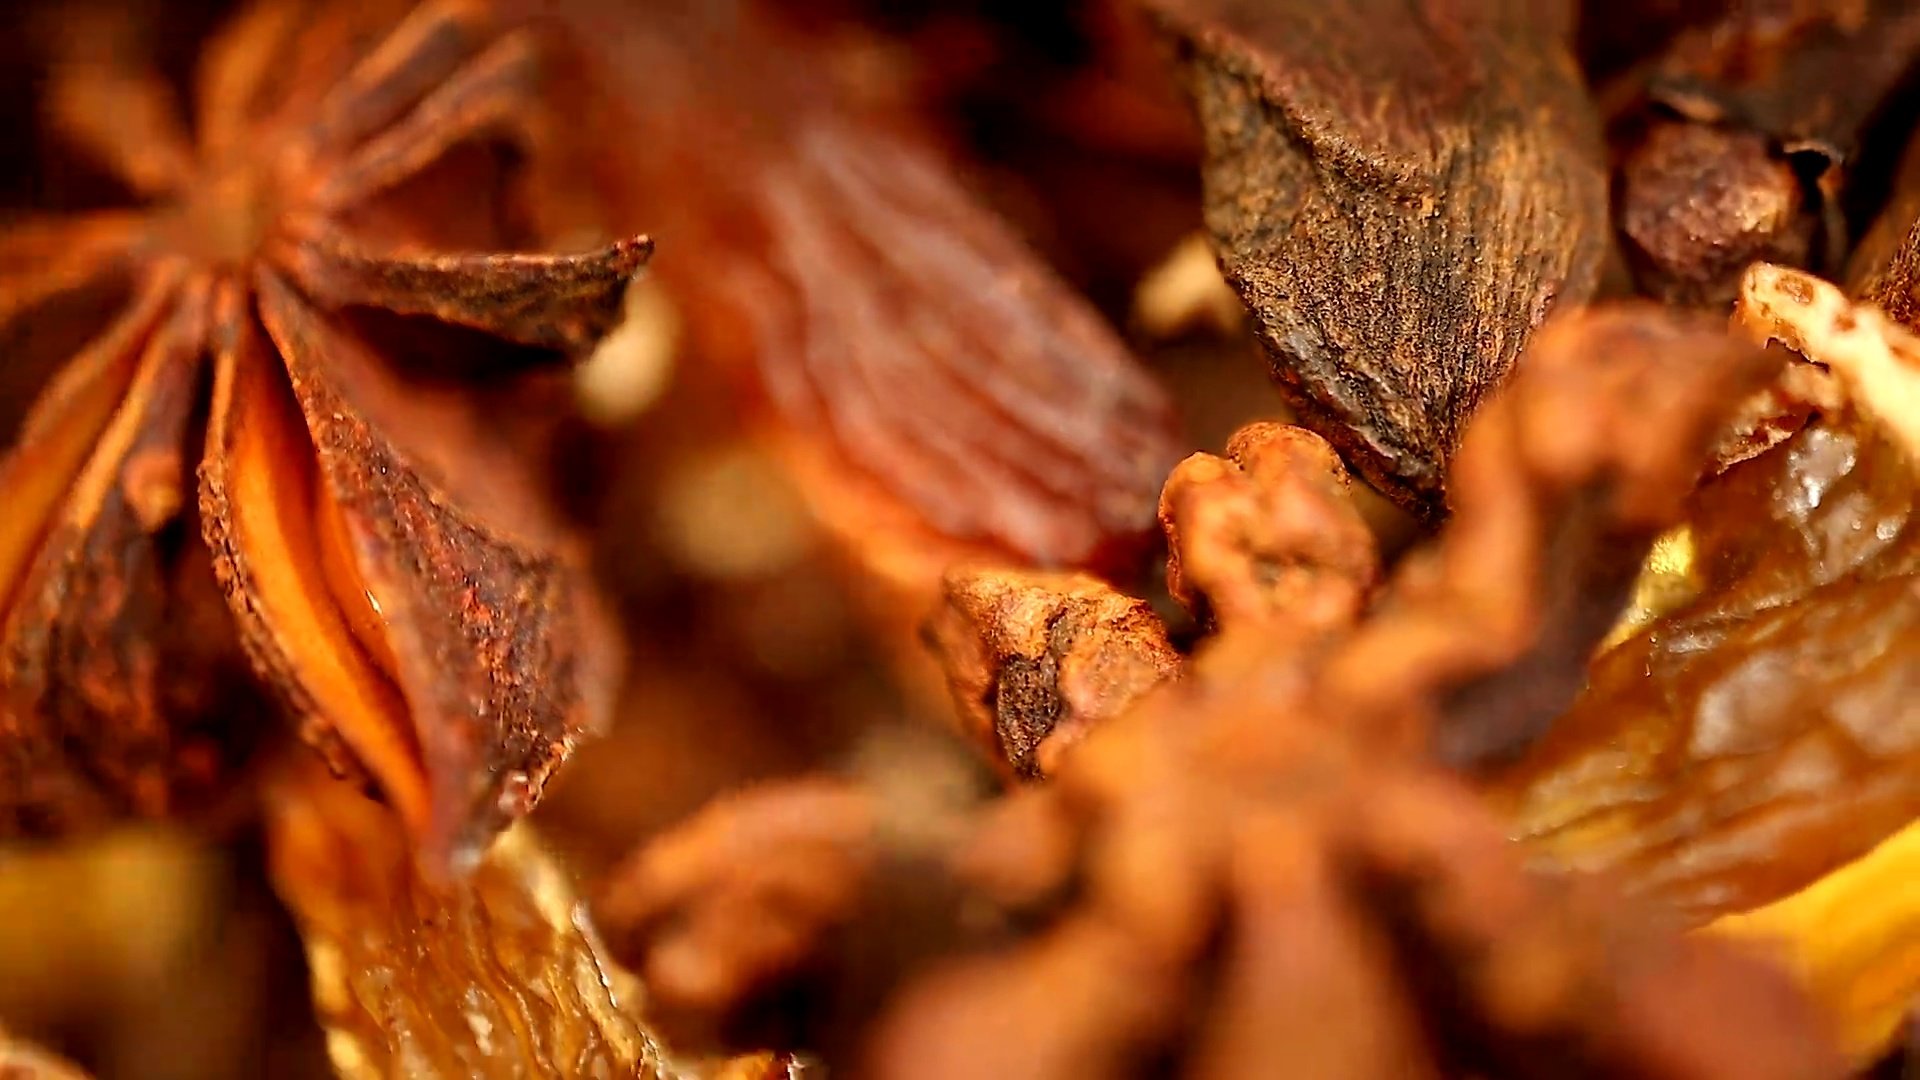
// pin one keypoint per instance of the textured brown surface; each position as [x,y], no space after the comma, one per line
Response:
[1400,191]
[1267,532]
[368,515]
[1698,203]
[1036,660]
[1559,490]
[1757,126]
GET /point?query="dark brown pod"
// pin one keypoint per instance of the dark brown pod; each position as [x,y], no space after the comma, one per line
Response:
[1400,192]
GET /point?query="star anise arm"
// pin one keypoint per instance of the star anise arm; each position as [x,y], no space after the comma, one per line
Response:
[497,646]
[237,67]
[1529,974]
[414,58]
[119,110]
[42,257]
[59,434]
[484,93]
[725,910]
[81,653]
[1560,488]
[1308,971]
[552,301]
[257,504]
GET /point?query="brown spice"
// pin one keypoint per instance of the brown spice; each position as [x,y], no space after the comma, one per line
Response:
[393,572]
[1268,532]
[1036,660]
[1698,203]
[1400,192]
[1205,872]
[1755,125]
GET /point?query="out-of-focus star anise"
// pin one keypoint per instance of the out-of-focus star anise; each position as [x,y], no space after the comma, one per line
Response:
[20,1060]
[391,567]
[1256,859]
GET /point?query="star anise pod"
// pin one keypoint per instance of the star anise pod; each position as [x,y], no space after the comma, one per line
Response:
[1257,858]
[389,562]
[1400,191]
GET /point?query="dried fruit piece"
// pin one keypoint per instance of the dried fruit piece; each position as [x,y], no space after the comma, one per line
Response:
[393,568]
[1400,194]
[1035,660]
[496,975]
[1754,736]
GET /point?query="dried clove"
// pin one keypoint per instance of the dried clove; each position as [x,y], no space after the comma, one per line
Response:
[1267,533]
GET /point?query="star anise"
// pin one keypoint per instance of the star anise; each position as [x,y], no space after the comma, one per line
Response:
[1256,858]
[389,563]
